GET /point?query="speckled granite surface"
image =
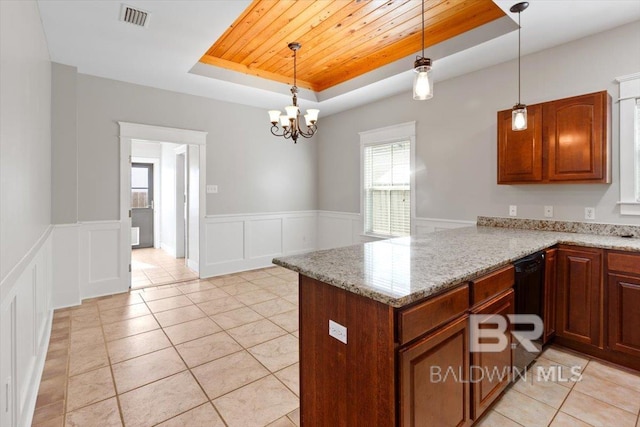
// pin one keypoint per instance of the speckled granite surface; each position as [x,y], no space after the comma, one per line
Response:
[400,271]
[564,226]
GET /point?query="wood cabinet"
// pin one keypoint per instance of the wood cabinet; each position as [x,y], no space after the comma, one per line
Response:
[566,141]
[490,371]
[549,310]
[580,298]
[434,378]
[624,303]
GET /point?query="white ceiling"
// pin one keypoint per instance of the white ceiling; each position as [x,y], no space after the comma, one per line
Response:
[89,36]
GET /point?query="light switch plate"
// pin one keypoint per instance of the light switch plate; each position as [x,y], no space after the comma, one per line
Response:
[212,189]
[338,331]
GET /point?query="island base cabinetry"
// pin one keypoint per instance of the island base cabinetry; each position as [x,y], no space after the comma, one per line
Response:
[434,378]
[490,372]
[352,383]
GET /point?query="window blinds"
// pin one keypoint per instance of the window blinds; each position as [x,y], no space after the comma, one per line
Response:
[387,188]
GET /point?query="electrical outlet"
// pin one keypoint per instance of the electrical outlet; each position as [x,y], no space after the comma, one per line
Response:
[513,210]
[212,189]
[338,331]
[589,213]
[548,211]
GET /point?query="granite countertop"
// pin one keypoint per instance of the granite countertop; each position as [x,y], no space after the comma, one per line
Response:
[400,271]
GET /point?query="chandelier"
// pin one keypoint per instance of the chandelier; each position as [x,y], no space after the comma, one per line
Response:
[290,121]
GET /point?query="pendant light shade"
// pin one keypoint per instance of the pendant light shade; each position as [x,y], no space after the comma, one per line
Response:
[519,113]
[422,80]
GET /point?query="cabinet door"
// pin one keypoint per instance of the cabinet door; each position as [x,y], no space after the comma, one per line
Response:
[490,371]
[624,314]
[580,307]
[576,135]
[520,152]
[434,383]
[549,311]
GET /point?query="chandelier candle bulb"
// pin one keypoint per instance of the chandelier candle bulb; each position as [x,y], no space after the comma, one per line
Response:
[274,116]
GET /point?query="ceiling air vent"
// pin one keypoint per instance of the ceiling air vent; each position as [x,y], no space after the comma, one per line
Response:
[134,16]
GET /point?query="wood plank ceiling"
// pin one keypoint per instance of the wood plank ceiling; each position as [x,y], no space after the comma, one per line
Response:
[341,39]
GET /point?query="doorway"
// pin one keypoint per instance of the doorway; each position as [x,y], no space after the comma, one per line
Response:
[142,205]
[179,178]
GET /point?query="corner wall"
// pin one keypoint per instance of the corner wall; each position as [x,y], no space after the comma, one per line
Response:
[25,208]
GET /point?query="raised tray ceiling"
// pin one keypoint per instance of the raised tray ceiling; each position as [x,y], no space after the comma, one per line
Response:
[340,39]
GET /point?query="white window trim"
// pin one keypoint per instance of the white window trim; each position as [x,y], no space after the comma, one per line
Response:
[629,91]
[401,132]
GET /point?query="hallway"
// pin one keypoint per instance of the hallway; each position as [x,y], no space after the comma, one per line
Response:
[152,267]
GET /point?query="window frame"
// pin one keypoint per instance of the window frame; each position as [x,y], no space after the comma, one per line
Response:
[386,135]
[629,86]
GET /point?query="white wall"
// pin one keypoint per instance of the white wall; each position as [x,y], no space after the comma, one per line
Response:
[25,208]
[456,135]
[168,192]
[25,132]
[254,171]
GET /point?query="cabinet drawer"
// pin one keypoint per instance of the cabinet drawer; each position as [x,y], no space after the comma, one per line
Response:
[422,318]
[492,284]
[624,262]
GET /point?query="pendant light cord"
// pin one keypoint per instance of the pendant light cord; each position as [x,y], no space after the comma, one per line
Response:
[294,67]
[519,55]
[423,28]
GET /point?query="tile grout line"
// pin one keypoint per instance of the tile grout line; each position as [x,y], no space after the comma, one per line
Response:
[98,310]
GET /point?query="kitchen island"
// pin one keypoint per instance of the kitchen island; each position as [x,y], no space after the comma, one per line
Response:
[400,307]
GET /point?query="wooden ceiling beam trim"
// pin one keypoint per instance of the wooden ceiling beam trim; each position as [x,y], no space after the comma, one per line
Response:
[364,29]
[463,11]
[234,66]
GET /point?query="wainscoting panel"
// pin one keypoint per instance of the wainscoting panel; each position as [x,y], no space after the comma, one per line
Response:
[225,241]
[299,233]
[25,325]
[244,242]
[99,260]
[264,237]
[337,229]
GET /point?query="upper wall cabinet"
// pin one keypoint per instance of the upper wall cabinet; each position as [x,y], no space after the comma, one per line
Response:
[566,141]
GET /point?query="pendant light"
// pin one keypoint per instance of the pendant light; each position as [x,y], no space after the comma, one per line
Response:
[422,81]
[519,113]
[290,121]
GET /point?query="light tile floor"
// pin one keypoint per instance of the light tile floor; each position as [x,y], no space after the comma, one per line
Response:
[224,352]
[151,267]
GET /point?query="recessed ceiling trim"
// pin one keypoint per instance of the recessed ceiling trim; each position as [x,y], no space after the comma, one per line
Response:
[341,39]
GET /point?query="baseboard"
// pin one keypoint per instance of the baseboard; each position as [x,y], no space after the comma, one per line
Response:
[34,384]
[171,250]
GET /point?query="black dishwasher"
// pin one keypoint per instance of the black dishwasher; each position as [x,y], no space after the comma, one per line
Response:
[529,299]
